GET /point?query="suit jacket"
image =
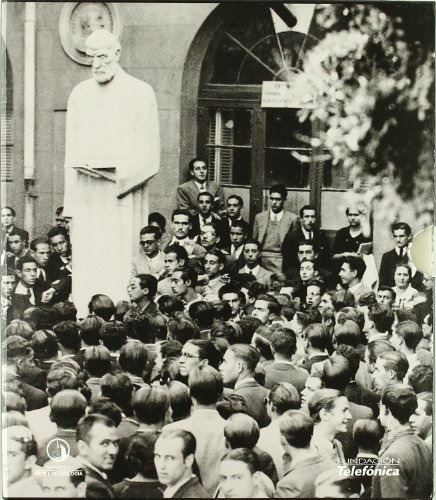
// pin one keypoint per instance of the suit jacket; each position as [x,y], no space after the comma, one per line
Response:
[208,428]
[187,193]
[96,485]
[141,264]
[191,489]
[254,395]
[277,372]
[290,247]
[298,482]
[388,263]
[263,275]
[415,467]
[19,303]
[261,223]
[34,397]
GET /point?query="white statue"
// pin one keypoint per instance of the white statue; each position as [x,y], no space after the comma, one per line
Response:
[112,149]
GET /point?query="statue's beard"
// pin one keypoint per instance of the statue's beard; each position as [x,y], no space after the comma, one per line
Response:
[104,76]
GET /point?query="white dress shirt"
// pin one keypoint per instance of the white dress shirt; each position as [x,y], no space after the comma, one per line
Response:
[253,271]
[275,217]
[22,290]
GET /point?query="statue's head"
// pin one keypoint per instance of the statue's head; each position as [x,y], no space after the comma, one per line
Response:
[105,49]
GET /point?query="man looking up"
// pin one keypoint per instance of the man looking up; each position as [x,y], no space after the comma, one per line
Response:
[150,259]
[142,290]
[271,226]
[174,453]
[186,195]
[98,444]
[232,295]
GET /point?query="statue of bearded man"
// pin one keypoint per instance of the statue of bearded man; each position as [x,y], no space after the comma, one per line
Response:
[112,150]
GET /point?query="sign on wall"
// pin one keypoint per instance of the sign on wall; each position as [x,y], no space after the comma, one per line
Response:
[286,95]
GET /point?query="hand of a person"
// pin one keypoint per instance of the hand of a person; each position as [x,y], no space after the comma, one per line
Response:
[47,295]
[189,247]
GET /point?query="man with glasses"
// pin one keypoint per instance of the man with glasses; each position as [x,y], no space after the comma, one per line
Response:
[271,227]
[150,259]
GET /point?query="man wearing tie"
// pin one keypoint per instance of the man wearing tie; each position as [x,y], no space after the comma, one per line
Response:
[187,193]
[233,212]
[205,214]
[401,233]
[306,230]
[271,226]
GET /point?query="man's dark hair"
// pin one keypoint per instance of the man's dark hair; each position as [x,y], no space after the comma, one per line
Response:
[133,358]
[384,288]
[353,314]
[159,219]
[20,233]
[102,305]
[353,357]
[90,330]
[296,427]
[181,211]
[342,298]
[377,347]
[155,231]
[307,207]
[410,332]
[367,299]
[202,313]
[97,360]
[223,311]
[59,379]
[310,243]
[274,306]
[67,333]
[42,318]
[241,224]
[336,373]
[182,329]
[67,407]
[318,336]
[113,335]
[65,311]
[118,388]
[400,400]
[192,162]
[171,349]
[284,396]
[189,441]
[347,333]
[382,316]
[401,225]
[420,378]
[284,343]
[205,384]
[148,281]
[24,260]
[169,305]
[231,403]
[205,193]
[207,350]
[150,404]
[229,288]
[248,325]
[140,453]
[12,210]
[181,253]
[44,344]
[237,198]
[85,425]
[241,431]
[37,241]
[188,273]
[104,406]
[367,434]
[280,189]
[356,264]
[58,231]
[252,241]
[220,256]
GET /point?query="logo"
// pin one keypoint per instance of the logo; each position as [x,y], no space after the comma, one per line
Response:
[58,450]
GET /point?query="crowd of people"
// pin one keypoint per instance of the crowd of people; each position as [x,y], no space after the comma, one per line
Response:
[247,361]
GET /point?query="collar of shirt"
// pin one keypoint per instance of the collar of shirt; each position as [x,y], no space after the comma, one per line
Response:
[278,217]
[22,290]
[236,251]
[253,271]
[284,362]
[242,382]
[201,187]
[355,288]
[155,258]
[231,220]
[307,234]
[180,242]
[65,260]
[85,462]
[169,492]
[204,220]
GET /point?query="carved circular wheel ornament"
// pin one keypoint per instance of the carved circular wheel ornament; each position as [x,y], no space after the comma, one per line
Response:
[79,19]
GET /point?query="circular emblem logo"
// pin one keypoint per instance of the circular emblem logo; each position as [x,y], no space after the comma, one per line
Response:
[58,450]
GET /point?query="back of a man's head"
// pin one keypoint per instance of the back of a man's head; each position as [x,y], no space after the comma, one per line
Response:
[241,431]
[396,361]
[296,427]
[67,333]
[151,404]
[118,388]
[205,385]
[347,333]
[382,317]
[90,330]
[247,354]
[284,343]
[59,379]
[410,332]
[336,372]
[66,408]
[400,400]
[284,396]
[97,360]
[113,335]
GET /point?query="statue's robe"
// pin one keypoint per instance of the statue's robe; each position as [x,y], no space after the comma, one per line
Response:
[109,126]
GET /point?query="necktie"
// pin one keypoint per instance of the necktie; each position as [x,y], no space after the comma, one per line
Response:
[202,188]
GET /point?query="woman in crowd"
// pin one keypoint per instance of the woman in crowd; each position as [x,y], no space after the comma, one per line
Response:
[405,293]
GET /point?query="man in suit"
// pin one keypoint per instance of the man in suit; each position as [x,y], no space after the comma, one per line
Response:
[307,230]
[28,292]
[175,256]
[238,236]
[150,259]
[205,423]
[187,193]
[59,266]
[215,269]
[8,215]
[351,274]
[413,468]
[238,368]
[271,227]
[283,347]
[174,453]
[317,340]
[251,256]
[97,444]
[233,212]
[204,216]
[18,247]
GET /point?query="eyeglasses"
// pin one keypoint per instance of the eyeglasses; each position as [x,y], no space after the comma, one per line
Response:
[144,243]
[188,356]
